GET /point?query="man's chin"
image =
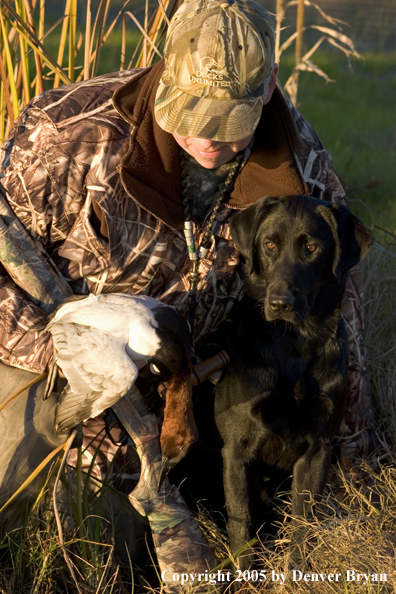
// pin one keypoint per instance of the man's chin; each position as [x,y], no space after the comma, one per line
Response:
[211,163]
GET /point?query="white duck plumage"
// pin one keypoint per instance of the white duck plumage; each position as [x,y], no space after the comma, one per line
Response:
[95,341]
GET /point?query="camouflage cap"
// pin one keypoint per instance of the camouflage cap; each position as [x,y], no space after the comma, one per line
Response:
[217,56]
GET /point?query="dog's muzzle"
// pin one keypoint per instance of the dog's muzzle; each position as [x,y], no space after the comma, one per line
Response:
[281,302]
[285,306]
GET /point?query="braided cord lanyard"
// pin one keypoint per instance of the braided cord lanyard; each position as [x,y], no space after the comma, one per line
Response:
[197,254]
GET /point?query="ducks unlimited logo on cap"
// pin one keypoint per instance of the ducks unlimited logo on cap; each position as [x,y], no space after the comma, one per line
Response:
[217,57]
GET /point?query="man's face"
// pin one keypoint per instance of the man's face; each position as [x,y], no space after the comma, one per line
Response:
[211,153]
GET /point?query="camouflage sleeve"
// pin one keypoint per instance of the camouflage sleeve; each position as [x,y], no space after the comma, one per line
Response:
[20,345]
[357,438]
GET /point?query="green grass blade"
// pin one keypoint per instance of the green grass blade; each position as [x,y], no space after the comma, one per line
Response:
[20,8]
[280,12]
[123,42]
[246,547]
[6,101]
[145,36]
[2,104]
[146,9]
[154,36]
[72,36]
[79,507]
[41,30]
[10,67]
[33,475]
[52,471]
[62,41]
[164,15]
[67,447]
[39,87]
[27,33]
[101,22]
[115,21]
[87,55]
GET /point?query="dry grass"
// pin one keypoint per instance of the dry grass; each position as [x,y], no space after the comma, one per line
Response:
[357,534]
[32,559]
[35,563]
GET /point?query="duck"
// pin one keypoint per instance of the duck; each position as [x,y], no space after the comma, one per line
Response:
[101,341]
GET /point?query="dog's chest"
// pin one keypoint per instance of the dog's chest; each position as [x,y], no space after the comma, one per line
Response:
[274,400]
[289,401]
[277,409]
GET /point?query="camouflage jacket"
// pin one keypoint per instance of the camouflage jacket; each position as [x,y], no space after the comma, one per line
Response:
[97,183]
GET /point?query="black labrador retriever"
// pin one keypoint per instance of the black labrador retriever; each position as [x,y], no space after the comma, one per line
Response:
[282,398]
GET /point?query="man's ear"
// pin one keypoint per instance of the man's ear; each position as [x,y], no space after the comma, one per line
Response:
[352,238]
[272,84]
[245,224]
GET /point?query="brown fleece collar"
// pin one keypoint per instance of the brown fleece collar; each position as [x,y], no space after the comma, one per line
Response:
[150,170]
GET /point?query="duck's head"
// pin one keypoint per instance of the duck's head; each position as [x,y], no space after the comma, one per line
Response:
[179,432]
[172,362]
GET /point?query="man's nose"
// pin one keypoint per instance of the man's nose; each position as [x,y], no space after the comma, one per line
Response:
[204,144]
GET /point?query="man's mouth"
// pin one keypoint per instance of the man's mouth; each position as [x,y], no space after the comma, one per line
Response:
[209,154]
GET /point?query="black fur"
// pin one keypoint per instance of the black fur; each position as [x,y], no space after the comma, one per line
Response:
[282,399]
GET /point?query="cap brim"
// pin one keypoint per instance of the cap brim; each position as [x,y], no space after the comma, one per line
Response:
[226,120]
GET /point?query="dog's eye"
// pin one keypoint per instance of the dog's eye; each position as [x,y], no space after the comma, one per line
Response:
[270,245]
[311,248]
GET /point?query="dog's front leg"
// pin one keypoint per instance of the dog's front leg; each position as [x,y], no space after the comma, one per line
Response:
[239,524]
[309,479]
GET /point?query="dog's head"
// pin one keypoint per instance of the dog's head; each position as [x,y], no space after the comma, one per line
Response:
[293,247]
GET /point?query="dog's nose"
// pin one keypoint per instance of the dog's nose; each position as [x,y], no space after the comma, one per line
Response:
[279,302]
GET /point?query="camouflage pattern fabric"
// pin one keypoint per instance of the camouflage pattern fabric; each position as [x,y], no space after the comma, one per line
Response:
[60,168]
[26,264]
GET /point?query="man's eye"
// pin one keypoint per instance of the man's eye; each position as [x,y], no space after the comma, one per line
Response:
[311,248]
[270,245]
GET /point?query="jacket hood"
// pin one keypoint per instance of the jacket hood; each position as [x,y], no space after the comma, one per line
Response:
[150,170]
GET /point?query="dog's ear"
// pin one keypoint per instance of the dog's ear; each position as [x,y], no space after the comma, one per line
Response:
[244,226]
[352,238]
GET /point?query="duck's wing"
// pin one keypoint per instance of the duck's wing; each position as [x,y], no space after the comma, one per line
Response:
[97,368]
